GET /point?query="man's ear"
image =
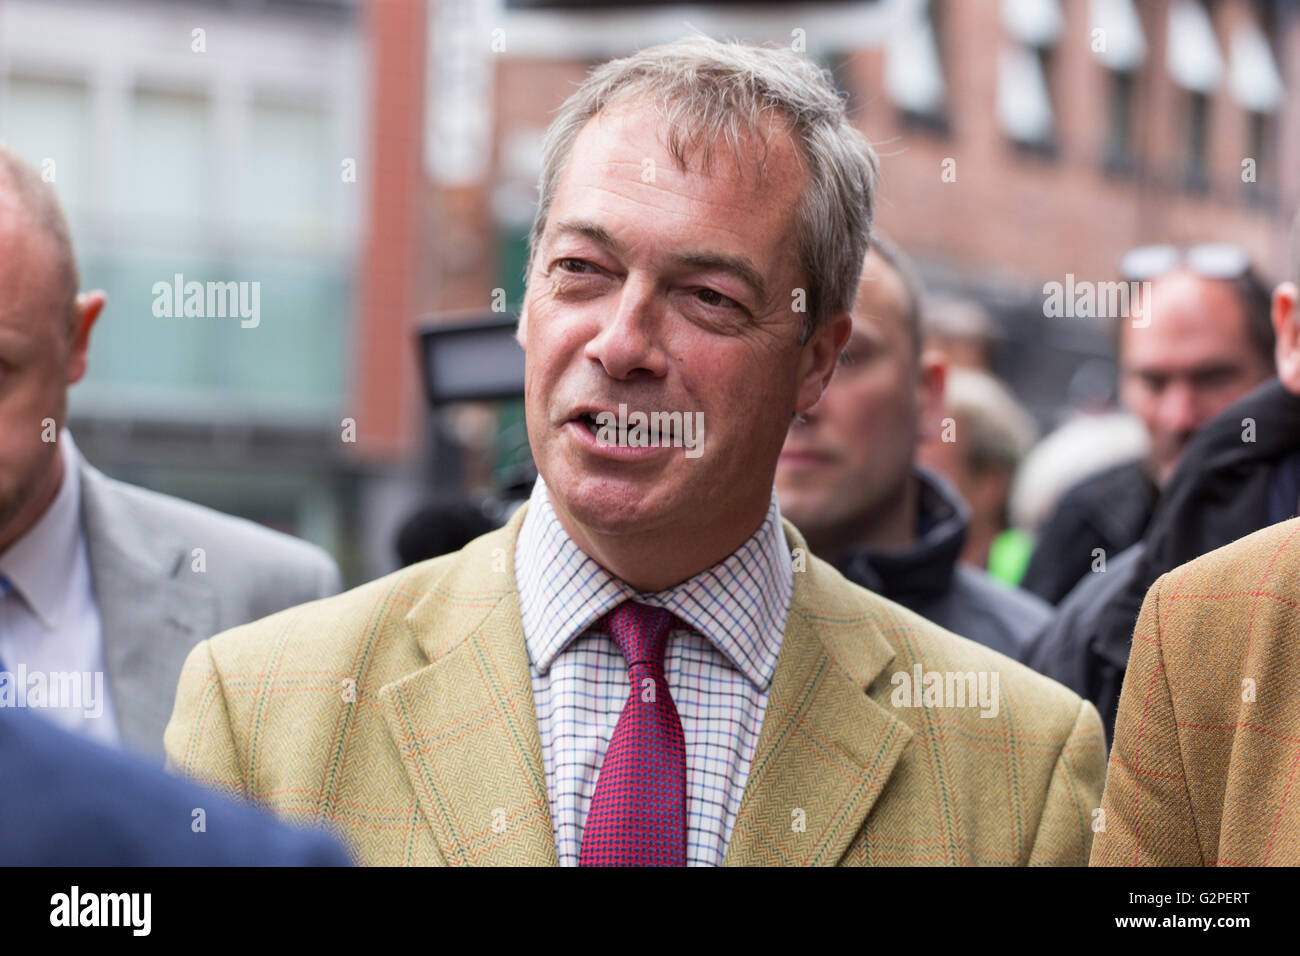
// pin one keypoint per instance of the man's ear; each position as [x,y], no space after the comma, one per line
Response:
[932,379]
[1285,326]
[87,307]
[820,356]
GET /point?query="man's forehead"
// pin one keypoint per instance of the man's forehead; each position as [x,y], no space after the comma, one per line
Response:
[621,184]
[630,141]
[1183,303]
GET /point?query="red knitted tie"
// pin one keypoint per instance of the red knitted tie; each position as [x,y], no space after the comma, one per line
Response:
[638,812]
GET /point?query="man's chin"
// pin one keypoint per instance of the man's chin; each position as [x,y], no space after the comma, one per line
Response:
[616,503]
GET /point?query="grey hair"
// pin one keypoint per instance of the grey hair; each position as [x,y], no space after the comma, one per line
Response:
[37,198]
[708,91]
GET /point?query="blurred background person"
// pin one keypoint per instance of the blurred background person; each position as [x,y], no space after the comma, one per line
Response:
[98,579]
[440,528]
[990,433]
[963,330]
[1238,473]
[1203,340]
[847,475]
[1085,444]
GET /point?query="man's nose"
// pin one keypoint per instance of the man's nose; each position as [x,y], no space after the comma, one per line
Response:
[1180,408]
[628,341]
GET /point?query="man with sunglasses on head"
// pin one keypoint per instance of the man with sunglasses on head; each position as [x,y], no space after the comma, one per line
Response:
[1229,453]
[1202,342]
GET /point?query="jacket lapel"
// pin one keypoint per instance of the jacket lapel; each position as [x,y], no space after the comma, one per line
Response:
[465,725]
[466,728]
[149,618]
[826,749]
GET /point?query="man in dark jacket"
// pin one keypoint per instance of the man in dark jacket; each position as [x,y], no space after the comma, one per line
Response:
[847,476]
[1202,341]
[1239,473]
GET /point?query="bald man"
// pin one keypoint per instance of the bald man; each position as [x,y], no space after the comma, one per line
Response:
[100,600]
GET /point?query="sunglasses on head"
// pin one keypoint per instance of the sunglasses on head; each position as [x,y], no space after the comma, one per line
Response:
[1211,260]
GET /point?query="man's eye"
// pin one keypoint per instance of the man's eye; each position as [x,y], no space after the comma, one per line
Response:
[1214,378]
[717,300]
[574,265]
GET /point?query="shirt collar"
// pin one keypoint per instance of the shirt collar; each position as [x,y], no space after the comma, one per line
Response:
[739,604]
[38,564]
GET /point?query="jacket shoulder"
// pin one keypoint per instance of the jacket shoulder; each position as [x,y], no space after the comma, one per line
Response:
[332,626]
[161,514]
[364,631]
[1035,702]
[1209,610]
[1272,552]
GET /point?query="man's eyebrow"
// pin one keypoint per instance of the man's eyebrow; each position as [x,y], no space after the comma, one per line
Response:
[739,266]
[597,234]
[742,267]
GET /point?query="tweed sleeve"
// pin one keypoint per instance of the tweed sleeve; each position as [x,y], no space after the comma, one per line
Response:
[1147,811]
[198,739]
[1074,791]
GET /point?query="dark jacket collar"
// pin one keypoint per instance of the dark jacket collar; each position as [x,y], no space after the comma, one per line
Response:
[923,571]
[1218,493]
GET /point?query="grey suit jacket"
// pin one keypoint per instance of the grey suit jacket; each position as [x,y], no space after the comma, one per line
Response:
[158,597]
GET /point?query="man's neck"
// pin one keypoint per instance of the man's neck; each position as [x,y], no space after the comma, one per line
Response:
[665,557]
[888,526]
[30,513]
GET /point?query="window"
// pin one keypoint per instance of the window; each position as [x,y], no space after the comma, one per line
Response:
[1263,189]
[1118,44]
[287,193]
[169,178]
[914,68]
[1025,73]
[47,121]
[1194,61]
[1121,156]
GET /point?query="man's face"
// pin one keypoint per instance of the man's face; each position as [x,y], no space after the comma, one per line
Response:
[643,292]
[1192,361]
[852,457]
[35,355]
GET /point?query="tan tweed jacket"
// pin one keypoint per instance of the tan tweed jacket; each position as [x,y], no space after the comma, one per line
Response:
[401,714]
[1206,764]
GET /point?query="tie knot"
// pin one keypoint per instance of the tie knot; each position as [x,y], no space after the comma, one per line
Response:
[640,631]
